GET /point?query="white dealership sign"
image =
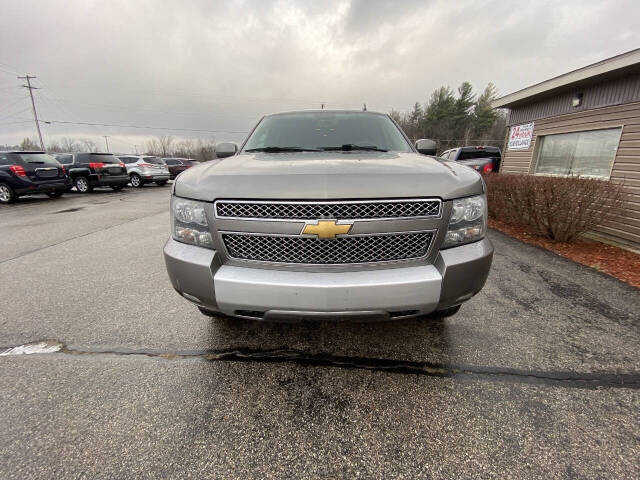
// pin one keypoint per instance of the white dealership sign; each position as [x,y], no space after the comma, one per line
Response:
[520,136]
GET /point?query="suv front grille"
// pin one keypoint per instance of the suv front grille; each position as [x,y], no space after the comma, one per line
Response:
[341,250]
[350,210]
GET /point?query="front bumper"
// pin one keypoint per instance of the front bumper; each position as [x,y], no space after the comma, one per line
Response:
[457,275]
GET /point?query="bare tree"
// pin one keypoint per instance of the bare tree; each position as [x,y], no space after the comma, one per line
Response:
[206,150]
[88,145]
[69,144]
[160,146]
[29,144]
[185,149]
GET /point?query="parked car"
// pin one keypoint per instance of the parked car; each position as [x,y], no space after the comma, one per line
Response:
[89,170]
[481,158]
[23,173]
[143,169]
[177,166]
[328,215]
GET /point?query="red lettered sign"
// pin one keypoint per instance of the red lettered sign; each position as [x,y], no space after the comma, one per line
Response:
[520,136]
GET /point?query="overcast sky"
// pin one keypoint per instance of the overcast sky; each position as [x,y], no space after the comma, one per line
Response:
[219,65]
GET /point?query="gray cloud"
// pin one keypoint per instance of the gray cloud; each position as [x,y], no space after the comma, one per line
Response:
[221,65]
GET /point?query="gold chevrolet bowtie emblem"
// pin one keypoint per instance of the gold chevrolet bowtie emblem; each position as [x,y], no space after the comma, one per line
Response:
[326,229]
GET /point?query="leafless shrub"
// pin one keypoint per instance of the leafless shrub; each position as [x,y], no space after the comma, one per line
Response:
[559,208]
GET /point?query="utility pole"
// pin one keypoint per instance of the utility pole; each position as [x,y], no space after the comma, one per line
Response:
[106,140]
[33,104]
[136,147]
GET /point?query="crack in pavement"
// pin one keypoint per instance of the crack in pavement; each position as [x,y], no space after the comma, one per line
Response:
[568,379]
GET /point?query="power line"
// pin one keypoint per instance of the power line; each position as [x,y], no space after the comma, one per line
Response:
[149,127]
[14,71]
[14,123]
[5,117]
[33,104]
[6,112]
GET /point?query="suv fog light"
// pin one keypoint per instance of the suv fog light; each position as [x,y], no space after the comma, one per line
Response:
[189,222]
[468,221]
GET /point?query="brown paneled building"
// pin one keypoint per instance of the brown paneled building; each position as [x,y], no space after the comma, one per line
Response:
[585,122]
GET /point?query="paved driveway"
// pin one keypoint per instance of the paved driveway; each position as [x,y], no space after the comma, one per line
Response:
[536,377]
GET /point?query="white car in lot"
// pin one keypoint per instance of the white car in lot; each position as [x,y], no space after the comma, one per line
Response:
[144,169]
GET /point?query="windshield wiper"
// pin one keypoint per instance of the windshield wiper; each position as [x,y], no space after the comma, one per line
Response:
[351,146]
[282,149]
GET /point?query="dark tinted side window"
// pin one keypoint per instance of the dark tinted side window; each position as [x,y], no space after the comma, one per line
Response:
[479,153]
[82,157]
[65,159]
[104,158]
[171,162]
[4,159]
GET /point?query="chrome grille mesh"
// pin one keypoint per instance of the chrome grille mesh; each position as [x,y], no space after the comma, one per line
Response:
[333,210]
[346,249]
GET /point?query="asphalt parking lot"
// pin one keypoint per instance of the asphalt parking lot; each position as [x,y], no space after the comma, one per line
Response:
[536,377]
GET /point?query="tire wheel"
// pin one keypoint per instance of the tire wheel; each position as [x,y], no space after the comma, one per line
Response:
[444,313]
[208,313]
[82,185]
[7,195]
[136,181]
[55,194]
[117,188]
[162,183]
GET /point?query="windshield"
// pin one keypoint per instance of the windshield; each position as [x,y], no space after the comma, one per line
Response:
[330,131]
[104,158]
[37,158]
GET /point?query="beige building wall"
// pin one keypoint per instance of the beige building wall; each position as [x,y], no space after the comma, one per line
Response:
[626,166]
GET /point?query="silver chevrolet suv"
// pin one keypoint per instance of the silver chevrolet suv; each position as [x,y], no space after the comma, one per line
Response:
[144,169]
[328,215]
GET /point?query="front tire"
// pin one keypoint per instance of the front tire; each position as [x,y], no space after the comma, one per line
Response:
[55,194]
[161,183]
[136,181]
[82,185]
[7,195]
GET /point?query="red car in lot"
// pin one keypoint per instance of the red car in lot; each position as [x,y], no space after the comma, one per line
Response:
[177,165]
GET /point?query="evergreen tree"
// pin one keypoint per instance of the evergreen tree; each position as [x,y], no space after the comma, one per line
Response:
[484,115]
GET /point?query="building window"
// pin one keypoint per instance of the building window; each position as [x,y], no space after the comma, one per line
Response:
[589,153]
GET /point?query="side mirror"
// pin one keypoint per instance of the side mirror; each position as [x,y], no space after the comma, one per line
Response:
[426,146]
[226,149]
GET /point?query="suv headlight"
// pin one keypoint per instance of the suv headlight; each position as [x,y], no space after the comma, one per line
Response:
[468,221]
[189,222]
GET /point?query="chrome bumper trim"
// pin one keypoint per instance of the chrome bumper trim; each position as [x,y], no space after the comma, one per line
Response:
[242,288]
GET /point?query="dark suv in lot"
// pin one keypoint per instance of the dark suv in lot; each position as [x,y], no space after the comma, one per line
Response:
[89,170]
[24,173]
[480,158]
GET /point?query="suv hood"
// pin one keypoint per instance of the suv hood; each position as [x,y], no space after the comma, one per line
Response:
[327,176]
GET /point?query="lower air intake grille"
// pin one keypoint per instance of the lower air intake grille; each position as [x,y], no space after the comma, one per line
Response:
[346,249]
